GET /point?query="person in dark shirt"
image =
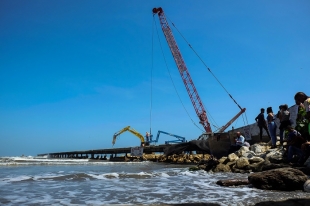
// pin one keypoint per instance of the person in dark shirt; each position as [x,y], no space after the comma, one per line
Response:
[294,143]
[261,123]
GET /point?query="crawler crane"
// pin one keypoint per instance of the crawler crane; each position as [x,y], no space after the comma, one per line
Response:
[187,80]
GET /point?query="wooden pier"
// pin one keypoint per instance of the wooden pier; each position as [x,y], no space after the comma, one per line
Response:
[100,152]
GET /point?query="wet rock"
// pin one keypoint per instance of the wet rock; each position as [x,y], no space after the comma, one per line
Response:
[285,179]
[210,163]
[221,168]
[270,166]
[232,182]
[237,170]
[289,202]
[256,167]
[194,168]
[202,167]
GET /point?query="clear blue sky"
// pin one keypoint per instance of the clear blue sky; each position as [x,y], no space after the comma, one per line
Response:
[73,72]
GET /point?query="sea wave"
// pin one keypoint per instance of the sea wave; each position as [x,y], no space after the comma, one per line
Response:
[91,175]
[7,161]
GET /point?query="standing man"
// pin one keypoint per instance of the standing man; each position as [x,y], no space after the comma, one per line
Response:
[303,117]
[261,123]
[284,120]
[147,136]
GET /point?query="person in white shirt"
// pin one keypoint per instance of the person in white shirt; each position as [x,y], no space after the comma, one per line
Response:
[239,140]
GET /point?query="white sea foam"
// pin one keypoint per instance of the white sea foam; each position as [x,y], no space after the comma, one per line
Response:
[189,173]
[162,174]
[113,174]
[18,178]
[99,177]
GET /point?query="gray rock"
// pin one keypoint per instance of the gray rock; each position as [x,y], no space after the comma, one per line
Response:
[256,167]
[255,160]
[249,154]
[285,179]
[233,182]
[242,151]
[237,170]
[270,166]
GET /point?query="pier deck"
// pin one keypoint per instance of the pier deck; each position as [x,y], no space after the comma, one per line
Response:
[111,151]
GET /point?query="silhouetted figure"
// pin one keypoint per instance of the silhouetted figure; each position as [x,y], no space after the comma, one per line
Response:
[261,123]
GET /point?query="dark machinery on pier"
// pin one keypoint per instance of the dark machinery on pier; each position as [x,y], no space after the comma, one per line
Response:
[187,80]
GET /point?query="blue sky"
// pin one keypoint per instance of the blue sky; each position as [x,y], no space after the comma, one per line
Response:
[73,72]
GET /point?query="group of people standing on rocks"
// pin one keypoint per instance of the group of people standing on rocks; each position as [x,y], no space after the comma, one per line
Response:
[270,126]
[298,138]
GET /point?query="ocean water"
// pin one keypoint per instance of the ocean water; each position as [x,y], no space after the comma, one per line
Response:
[30,181]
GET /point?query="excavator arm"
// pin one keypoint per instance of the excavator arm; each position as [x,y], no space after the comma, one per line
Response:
[140,136]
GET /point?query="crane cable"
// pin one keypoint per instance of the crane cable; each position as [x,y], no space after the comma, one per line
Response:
[152,67]
[171,77]
[208,69]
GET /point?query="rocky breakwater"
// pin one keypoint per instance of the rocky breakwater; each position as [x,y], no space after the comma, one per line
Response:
[266,167]
[193,159]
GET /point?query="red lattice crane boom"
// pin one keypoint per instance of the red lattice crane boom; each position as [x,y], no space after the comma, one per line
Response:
[187,80]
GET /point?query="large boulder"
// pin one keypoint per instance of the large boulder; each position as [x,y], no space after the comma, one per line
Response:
[249,154]
[232,157]
[259,148]
[270,166]
[242,151]
[256,166]
[242,163]
[285,179]
[275,156]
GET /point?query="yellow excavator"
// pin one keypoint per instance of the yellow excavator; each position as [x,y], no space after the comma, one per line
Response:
[140,136]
